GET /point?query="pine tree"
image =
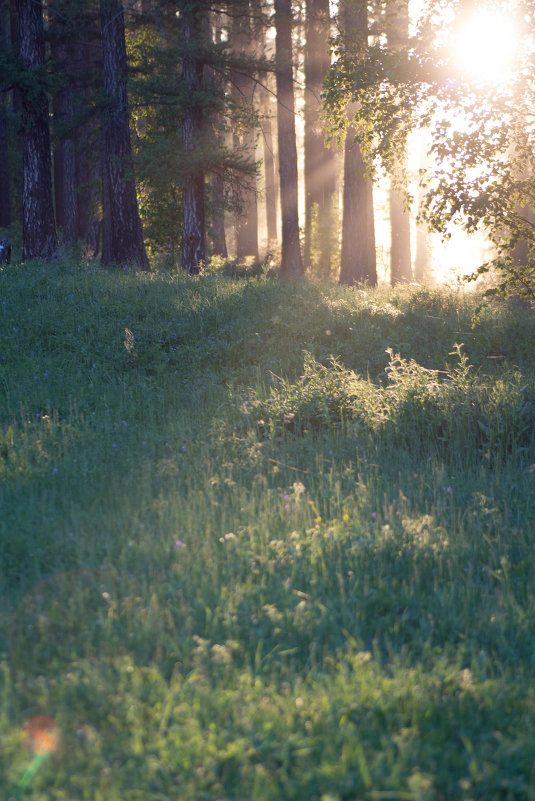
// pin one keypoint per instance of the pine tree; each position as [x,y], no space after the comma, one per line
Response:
[39,238]
[319,159]
[122,231]
[358,259]
[5,198]
[195,24]
[397,28]
[291,261]
[243,91]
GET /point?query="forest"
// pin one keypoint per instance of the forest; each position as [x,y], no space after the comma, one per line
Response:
[319,137]
[267,400]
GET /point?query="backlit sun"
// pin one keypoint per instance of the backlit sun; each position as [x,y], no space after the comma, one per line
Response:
[486,46]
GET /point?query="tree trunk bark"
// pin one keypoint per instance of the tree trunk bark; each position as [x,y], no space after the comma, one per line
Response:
[291,261]
[194,23]
[358,259]
[39,238]
[217,218]
[400,247]
[88,167]
[397,28]
[123,224]
[243,86]
[64,46]
[269,175]
[5,199]
[270,180]
[219,240]
[319,183]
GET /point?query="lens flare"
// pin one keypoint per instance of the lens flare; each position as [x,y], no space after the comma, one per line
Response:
[40,735]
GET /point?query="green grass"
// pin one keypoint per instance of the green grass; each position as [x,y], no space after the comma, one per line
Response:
[264,540]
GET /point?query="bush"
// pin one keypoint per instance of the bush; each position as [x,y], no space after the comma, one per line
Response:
[415,407]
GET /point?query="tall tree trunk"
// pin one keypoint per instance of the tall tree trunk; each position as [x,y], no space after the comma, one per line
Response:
[397,29]
[195,21]
[120,210]
[319,178]
[219,239]
[291,261]
[269,173]
[64,46]
[5,199]
[421,260]
[358,259]
[270,181]
[243,86]
[400,247]
[423,245]
[39,238]
[88,167]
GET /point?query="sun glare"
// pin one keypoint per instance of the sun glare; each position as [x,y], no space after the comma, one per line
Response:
[486,46]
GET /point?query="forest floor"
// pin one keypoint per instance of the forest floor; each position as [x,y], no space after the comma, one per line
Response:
[263,540]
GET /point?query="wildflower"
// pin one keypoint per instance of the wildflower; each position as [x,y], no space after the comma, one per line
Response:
[183,449]
[46,373]
[374,515]
[449,490]
[287,497]
[180,544]
[54,469]
[113,444]
[230,537]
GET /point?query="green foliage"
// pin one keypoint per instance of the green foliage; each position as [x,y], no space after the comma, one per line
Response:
[480,143]
[420,409]
[159,96]
[341,610]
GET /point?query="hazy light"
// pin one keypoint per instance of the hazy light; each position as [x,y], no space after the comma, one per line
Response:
[486,46]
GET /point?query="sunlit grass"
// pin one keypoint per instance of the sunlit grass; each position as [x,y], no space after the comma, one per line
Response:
[247,553]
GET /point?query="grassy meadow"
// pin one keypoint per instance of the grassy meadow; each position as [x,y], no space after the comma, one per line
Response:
[264,541]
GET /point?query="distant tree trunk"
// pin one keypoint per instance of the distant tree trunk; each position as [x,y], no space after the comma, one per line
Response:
[64,47]
[270,181]
[421,261]
[291,261]
[65,169]
[5,199]
[195,20]
[397,28]
[319,178]
[88,167]
[522,250]
[39,238]
[219,239]
[422,257]
[121,223]
[400,248]
[358,259]
[269,174]
[243,86]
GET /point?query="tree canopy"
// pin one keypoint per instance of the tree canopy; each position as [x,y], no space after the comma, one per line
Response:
[480,125]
